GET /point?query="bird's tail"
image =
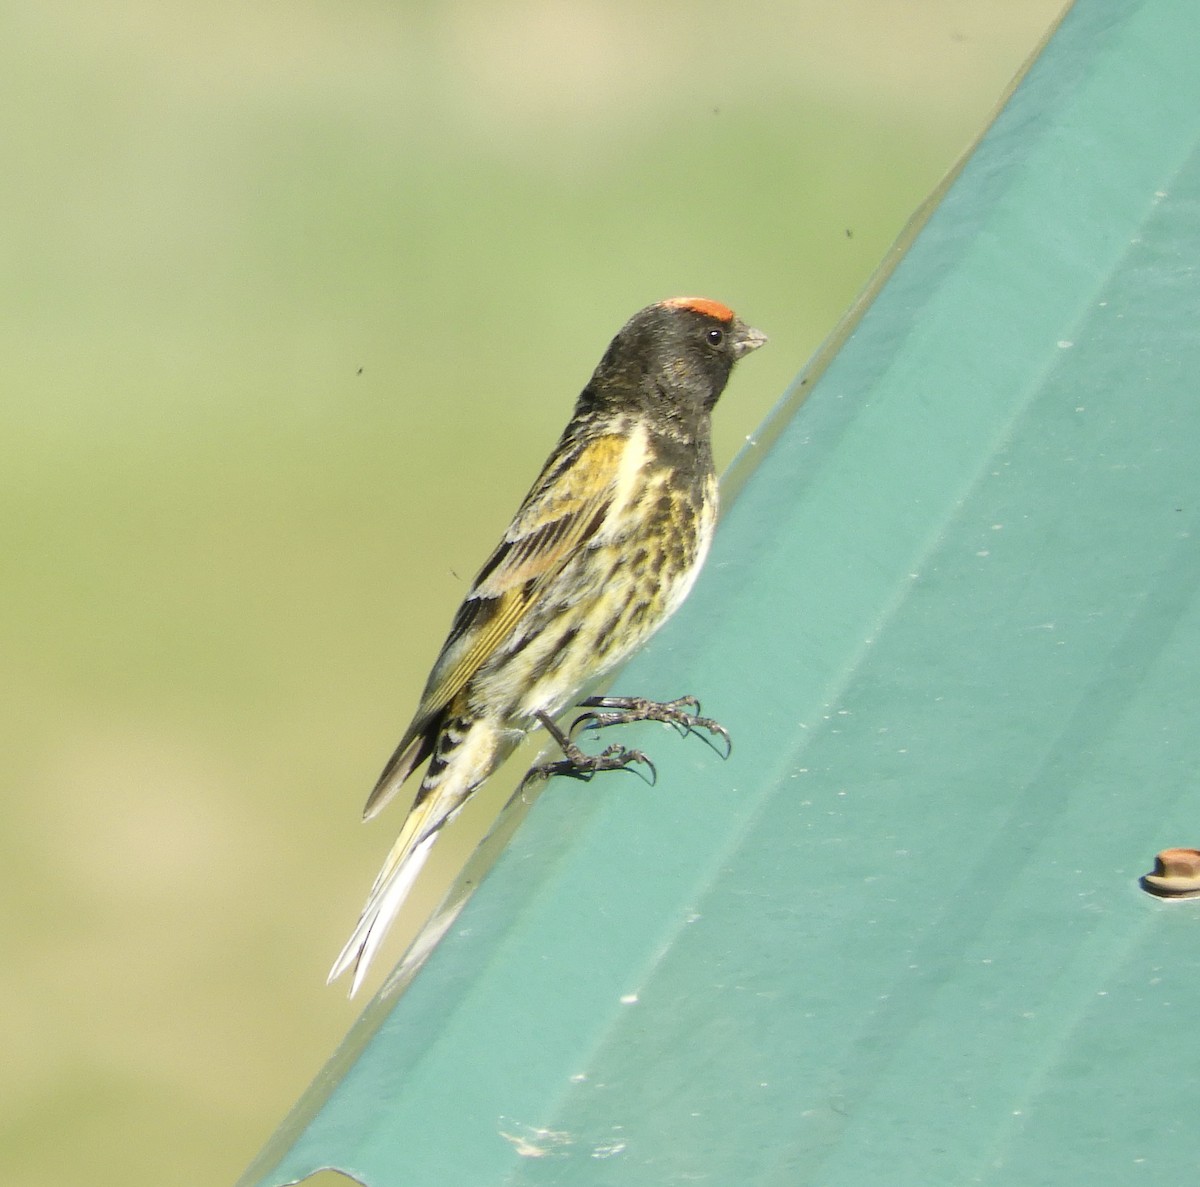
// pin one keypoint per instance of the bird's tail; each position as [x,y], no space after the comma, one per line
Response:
[400,871]
[445,789]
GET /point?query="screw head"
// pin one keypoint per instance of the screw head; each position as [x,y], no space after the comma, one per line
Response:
[1176,874]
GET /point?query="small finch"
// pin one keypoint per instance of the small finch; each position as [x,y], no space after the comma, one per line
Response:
[599,555]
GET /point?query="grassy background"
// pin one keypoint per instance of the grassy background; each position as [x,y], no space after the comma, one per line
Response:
[296,299]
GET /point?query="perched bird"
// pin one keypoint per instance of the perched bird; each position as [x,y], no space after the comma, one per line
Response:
[602,551]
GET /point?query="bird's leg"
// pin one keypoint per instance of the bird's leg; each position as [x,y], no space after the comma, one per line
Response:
[683,712]
[580,765]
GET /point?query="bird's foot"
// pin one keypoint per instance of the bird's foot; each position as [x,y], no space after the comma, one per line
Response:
[578,764]
[683,713]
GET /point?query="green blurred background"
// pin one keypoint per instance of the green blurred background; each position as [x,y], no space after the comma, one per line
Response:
[297,297]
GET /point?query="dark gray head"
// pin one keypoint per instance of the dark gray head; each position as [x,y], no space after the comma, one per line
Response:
[672,359]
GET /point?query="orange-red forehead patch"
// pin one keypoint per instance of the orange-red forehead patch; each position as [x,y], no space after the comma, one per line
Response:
[702,305]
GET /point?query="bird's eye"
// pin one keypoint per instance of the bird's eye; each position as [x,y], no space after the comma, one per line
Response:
[715,336]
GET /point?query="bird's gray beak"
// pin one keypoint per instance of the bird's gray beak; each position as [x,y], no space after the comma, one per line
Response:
[745,339]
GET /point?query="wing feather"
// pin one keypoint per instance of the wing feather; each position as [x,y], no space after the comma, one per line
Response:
[566,507]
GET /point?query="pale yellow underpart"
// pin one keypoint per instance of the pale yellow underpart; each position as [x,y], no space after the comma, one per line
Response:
[704,537]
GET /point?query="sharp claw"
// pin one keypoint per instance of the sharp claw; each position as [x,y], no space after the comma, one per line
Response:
[683,713]
[634,756]
[579,765]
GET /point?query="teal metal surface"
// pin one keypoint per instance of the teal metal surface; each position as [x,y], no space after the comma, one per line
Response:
[953,623]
